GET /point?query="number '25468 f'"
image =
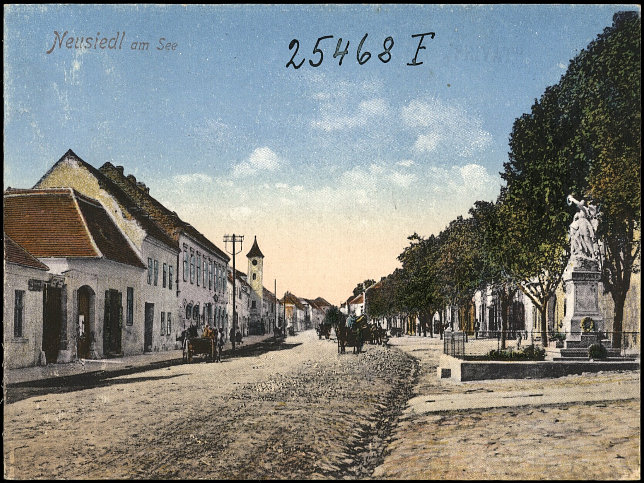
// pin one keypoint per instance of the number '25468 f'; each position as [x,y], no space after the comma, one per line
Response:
[362,54]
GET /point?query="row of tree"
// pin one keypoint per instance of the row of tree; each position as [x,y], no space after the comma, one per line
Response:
[582,137]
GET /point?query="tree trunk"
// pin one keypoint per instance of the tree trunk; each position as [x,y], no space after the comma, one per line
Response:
[505,306]
[618,318]
[544,328]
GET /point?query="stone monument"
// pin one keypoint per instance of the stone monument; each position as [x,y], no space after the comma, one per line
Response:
[582,277]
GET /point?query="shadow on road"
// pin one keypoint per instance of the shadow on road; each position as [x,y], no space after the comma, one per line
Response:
[24,390]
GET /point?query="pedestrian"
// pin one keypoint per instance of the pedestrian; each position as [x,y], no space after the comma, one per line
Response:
[477,326]
[518,339]
[220,343]
[238,337]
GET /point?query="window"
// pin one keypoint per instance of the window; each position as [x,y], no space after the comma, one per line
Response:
[149,271]
[165,272]
[170,276]
[169,324]
[162,323]
[18,313]
[253,304]
[205,272]
[198,268]
[254,276]
[192,268]
[188,311]
[130,307]
[210,274]
[156,272]
[185,265]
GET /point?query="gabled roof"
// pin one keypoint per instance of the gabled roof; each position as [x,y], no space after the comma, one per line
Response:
[255,251]
[358,299]
[289,298]
[62,223]
[121,197]
[322,302]
[168,220]
[14,253]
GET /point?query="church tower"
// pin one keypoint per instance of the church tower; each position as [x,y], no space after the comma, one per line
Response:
[256,272]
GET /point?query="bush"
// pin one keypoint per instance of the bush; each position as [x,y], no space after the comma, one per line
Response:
[597,351]
[528,353]
[558,336]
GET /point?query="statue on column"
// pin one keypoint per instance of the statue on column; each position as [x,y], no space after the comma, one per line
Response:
[583,241]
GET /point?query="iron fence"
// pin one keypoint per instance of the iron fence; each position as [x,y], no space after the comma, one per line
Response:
[461,344]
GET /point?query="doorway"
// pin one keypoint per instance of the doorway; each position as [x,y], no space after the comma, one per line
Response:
[51,321]
[84,313]
[149,325]
[112,323]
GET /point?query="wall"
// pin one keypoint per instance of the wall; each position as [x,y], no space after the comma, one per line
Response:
[23,351]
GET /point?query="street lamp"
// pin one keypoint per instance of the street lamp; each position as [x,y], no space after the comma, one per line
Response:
[234,239]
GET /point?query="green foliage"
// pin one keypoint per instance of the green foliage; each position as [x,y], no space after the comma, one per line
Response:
[557,336]
[529,353]
[333,316]
[597,351]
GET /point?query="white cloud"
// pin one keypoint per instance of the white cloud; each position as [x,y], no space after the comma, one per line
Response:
[406,163]
[446,127]
[402,179]
[261,159]
[334,119]
[192,178]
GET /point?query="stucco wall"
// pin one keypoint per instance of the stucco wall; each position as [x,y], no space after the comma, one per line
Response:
[23,351]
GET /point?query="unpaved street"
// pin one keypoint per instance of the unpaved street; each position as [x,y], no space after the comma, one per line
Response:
[498,432]
[303,411]
[300,412]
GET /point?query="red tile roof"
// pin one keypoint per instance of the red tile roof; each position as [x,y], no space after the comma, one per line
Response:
[123,199]
[14,253]
[358,299]
[62,223]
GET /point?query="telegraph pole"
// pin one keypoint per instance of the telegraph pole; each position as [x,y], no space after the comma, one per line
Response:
[234,239]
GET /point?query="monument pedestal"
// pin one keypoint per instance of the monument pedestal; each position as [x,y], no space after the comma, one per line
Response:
[581,283]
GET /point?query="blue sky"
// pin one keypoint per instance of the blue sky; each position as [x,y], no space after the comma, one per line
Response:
[331,167]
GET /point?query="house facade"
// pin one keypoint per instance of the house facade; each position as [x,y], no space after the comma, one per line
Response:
[94,273]
[24,279]
[155,304]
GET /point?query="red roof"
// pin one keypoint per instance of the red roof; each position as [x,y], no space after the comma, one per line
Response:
[14,253]
[62,223]
[358,299]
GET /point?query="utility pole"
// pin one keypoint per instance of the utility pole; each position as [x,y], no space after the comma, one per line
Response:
[234,239]
[276,301]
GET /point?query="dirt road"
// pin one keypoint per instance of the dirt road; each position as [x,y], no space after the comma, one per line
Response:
[576,427]
[300,412]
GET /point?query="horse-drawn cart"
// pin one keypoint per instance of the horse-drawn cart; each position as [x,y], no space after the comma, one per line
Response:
[202,346]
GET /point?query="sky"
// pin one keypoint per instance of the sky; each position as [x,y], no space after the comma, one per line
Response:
[332,165]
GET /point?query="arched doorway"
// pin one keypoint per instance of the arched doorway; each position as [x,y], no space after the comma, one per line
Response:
[85,315]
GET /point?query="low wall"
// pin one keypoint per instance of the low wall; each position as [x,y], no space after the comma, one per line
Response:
[460,370]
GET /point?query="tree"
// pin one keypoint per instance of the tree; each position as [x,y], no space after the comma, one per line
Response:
[606,76]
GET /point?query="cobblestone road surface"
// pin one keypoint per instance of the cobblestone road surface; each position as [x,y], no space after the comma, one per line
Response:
[552,440]
[300,412]
[306,412]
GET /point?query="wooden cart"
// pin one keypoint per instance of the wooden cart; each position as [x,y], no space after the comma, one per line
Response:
[202,346]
